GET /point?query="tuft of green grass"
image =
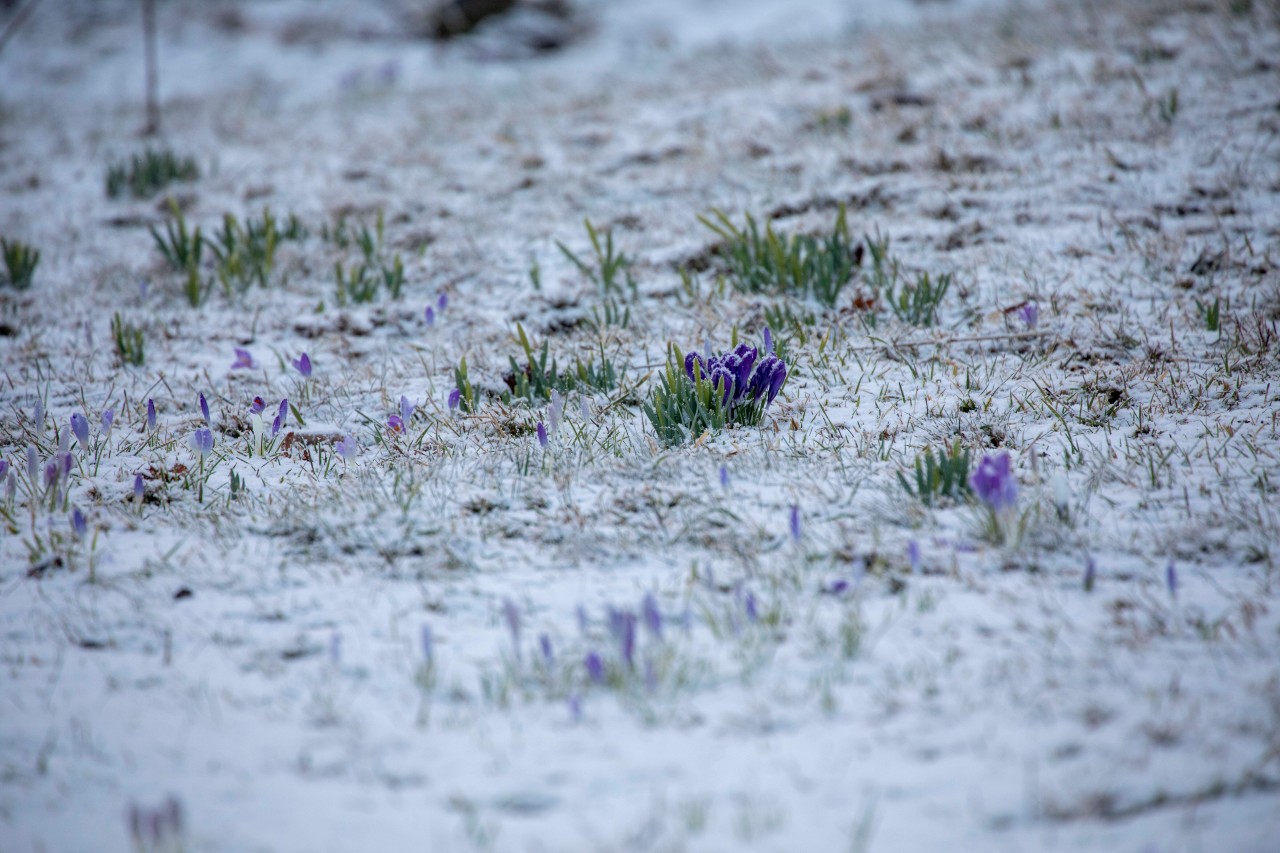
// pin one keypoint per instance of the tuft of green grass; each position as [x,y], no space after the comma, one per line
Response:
[148,173]
[20,262]
[799,265]
[611,270]
[913,301]
[374,272]
[943,476]
[130,341]
[180,247]
[536,380]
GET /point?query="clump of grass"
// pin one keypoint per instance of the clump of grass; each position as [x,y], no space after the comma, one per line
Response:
[611,273]
[130,341]
[945,475]
[180,247]
[20,262]
[612,269]
[536,379]
[183,249]
[361,283]
[244,254]
[913,300]
[148,173]
[799,265]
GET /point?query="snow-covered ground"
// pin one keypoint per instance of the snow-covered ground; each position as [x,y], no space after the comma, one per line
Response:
[797,654]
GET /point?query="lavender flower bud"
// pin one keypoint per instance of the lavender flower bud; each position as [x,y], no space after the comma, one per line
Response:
[548,656]
[151,415]
[542,434]
[512,615]
[455,397]
[108,419]
[595,668]
[80,428]
[652,615]
[78,523]
[303,365]
[690,361]
[139,488]
[204,409]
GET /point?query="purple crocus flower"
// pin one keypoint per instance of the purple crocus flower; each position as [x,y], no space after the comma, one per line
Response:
[430,316]
[303,365]
[283,414]
[244,360]
[753,613]
[108,418]
[139,488]
[1029,314]
[258,405]
[10,487]
[694,366]
[913,556]
[396,424]
[1090,574]
[722,378]
[511,614]
[151,414]
[1171,579]
[548,656]
[652,615]
[406,409]
[724,477]
[202,441]
[628,638]
[346,447]
[595,667]
[78,523]
[455,397]
[276,423]
[993,481]
[777,377]
[37,415]
[33,463]
[52,471]
[542,434]
[80,429]
[837,587]
[4,468]
[795,522]
[768,341]
[443,302]
[204,409]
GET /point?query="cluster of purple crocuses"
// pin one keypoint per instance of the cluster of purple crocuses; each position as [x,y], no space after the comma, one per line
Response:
[741,375]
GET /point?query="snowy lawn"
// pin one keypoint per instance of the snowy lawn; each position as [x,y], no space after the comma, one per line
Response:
[384,515]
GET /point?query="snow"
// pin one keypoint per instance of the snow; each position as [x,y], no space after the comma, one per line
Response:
[259,658]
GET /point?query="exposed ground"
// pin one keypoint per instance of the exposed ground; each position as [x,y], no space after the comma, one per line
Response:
[253,649]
